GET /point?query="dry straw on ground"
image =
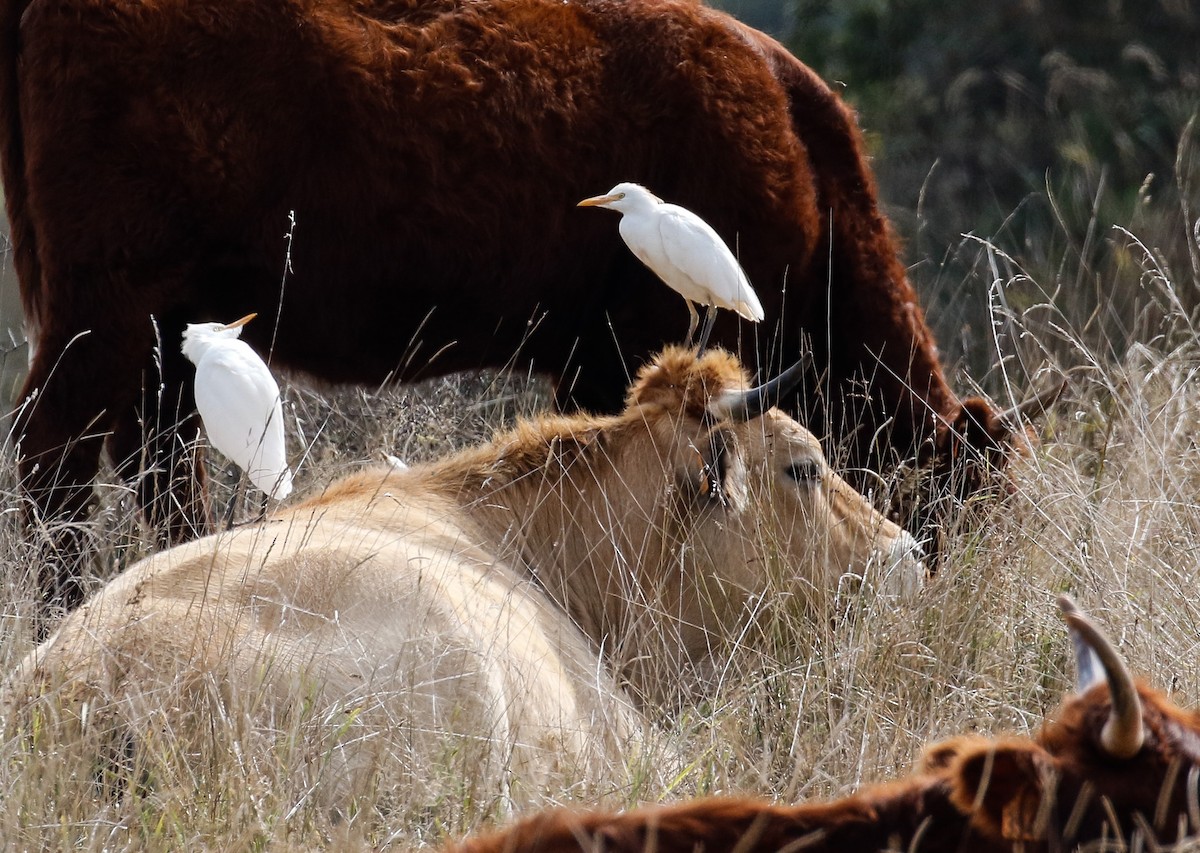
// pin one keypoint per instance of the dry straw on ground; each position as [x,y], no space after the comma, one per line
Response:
[1105,508]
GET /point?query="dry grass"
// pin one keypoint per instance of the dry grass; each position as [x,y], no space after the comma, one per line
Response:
[1104,508]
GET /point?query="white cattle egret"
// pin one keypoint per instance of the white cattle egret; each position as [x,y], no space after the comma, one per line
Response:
[239,402]
[684,251]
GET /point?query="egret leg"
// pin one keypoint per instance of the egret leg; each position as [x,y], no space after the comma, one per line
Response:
[693,321]
[234,501]
[710,317]
[263,505]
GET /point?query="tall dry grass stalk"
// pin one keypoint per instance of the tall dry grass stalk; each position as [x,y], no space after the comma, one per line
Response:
[837,694]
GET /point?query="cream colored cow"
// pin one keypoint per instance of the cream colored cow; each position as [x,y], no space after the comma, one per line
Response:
[519,605]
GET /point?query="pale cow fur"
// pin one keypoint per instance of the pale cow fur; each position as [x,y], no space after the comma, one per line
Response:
[529,597]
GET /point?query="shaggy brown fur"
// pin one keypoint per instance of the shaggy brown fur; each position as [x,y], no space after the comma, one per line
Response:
[432,152]
[1055,792]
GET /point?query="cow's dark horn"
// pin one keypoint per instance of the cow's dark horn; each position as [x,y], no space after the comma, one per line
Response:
[1035,404]
[742,406]
[1123,734]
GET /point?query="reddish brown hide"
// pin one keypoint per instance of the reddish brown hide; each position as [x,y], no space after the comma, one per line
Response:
[867,822]
[1063,789]
[432,153]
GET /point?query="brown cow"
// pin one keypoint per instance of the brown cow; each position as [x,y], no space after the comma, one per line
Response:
[432,153]
[512,605]
[1116,761]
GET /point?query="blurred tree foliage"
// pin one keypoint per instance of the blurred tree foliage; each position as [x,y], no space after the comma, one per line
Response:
[1002,93]
[1037,123]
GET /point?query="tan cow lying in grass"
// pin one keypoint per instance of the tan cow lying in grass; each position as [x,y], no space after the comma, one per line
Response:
[1117,762]
[512,605]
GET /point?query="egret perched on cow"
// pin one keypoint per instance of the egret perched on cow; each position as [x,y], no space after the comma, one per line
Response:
[239,403]
[684,251]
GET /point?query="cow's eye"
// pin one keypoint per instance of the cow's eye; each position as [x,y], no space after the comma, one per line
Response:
[807,471]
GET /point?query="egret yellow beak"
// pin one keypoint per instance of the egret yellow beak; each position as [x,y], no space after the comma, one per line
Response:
[239,323]
[595,201]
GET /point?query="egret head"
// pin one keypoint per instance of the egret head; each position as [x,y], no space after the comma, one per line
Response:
[197,337]
[624,197]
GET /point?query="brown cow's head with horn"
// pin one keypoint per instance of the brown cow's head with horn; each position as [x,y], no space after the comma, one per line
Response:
[1118,762]
[1117,759]
[968,455]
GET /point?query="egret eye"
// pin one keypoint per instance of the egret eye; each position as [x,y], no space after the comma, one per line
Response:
[805,471]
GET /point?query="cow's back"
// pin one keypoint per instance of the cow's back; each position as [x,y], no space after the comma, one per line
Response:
[404,652]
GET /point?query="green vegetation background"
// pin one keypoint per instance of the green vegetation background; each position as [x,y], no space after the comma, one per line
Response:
[1035,125]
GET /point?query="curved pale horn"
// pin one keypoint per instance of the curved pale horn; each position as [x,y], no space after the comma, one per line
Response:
[742,406]
[1035,404]
[1122,735]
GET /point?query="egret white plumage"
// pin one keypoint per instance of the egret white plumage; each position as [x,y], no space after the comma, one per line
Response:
[684,251]
[239,403]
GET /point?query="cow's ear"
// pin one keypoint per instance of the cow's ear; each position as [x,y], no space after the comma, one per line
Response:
[941,755]
[708,470]
[1001,786]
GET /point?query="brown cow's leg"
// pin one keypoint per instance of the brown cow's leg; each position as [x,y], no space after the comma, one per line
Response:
[154,445]
[58,431]
[83,389]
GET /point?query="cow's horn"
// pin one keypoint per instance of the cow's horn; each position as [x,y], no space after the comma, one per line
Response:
[1035,404]
[1122,735]
[742,406]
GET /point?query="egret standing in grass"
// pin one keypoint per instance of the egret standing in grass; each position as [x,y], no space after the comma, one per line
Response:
[684,251]
[239,403]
